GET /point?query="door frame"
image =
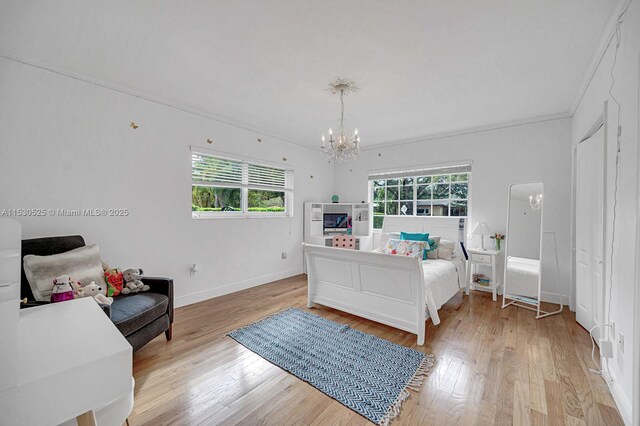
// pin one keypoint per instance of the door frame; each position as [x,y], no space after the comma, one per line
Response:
[635,393]
[600,120]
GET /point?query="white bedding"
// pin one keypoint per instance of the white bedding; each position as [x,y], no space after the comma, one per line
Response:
[522,276]
[442,279]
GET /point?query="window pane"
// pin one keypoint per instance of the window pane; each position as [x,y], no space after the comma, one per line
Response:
[392,209]
[377,183]
[406,181]
[392,182]
[392,193]
[440,208]
[424,192]
[440,178]
[406,193]
[459,190]
[423,208]
[378,208]
[458,208]
[211,199]
[424,179]
[378,194]
[406,208]
[378,221]
[463,177]
[265,201]
[440,191]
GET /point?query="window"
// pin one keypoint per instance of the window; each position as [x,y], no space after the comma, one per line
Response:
[434,192]
[223,187]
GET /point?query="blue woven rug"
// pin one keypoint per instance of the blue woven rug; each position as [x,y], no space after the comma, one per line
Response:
[367,374]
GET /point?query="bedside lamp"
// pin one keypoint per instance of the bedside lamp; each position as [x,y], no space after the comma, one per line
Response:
[481,229]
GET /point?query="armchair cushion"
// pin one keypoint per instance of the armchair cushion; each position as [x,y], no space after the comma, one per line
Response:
[131,312]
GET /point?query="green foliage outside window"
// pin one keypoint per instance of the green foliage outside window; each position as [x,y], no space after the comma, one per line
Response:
[435,195]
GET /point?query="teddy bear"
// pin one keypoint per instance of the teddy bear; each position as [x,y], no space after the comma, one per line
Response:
[94,290]
[132,282]
[62,289]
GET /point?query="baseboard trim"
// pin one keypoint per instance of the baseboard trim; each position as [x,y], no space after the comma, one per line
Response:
[624,406]
[189,299]
[554,298]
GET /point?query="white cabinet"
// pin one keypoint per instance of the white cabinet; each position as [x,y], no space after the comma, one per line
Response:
[10,247]
[361,215]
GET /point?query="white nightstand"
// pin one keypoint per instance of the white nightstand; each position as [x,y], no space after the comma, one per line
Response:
[490,258]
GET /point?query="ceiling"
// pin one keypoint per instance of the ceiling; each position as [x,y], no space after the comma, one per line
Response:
[424,67]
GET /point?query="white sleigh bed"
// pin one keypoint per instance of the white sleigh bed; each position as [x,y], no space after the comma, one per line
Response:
[395,290]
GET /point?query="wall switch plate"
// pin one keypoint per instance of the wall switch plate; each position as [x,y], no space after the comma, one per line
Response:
[606,348]
[621,341]
[284,254]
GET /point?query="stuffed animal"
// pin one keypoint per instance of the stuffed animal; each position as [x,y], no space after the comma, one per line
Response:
[94,290]
[132,283]
[115,281]
[62,289]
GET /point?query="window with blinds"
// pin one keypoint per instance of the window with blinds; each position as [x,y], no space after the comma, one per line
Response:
[224,187]
[442,191]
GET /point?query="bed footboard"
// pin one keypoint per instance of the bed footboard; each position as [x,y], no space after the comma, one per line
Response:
[383,288]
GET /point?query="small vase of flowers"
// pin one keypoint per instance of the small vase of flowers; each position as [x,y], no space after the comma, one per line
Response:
[497,237]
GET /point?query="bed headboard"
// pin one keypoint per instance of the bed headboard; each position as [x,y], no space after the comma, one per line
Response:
[449,228]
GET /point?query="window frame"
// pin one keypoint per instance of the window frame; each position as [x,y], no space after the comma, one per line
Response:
[245,187]
[440,171]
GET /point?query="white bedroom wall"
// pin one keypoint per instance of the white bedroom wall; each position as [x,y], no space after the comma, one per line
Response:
[514,154]
[590,107]
[65,143]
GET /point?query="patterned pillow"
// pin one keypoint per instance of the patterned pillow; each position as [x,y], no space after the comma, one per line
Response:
[406,248]
[114,280]
[417,237]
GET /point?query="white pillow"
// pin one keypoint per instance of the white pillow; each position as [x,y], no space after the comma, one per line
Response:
[82,264]
[385,237]
[446,249]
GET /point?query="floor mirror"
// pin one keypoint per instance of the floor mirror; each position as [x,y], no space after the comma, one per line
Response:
[523,248]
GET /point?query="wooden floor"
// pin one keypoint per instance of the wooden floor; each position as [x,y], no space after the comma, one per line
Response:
[494,366]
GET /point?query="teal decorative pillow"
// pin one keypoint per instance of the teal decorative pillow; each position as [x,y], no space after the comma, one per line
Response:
[434,243]
[417,237]
[406,248]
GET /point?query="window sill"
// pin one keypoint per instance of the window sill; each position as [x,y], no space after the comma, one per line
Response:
[242,216]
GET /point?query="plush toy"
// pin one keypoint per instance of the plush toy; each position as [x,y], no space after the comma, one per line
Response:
[132,281]
[62,289]
[115,281]
[94,290]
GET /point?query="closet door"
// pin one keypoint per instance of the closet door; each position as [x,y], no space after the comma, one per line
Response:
[590,230]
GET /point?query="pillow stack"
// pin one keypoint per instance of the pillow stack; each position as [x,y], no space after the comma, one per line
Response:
[406,236]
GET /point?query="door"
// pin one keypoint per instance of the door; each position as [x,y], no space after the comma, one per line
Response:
[590,231]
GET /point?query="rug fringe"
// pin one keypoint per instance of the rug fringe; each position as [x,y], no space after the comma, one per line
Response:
[414,384]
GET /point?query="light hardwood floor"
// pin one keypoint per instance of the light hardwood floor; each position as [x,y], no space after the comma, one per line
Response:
[494,366]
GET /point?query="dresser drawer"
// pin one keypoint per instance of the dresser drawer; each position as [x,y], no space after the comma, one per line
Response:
[480,258]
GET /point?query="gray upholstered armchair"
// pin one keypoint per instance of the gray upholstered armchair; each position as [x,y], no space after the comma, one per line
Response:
[140,317]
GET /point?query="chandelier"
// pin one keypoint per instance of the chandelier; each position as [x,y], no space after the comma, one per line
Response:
[535,201]
[343,145]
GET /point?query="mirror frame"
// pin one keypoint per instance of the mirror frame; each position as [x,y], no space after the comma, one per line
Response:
[507,300]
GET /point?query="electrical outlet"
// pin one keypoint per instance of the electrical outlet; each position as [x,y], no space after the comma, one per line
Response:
[284,254]
[606,348]
[621,341]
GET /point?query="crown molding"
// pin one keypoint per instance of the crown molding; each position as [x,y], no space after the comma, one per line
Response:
[32,62]
[596,60]
[470,130]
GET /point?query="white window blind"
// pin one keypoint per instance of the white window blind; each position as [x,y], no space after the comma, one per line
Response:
[209,170]
[454,169]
